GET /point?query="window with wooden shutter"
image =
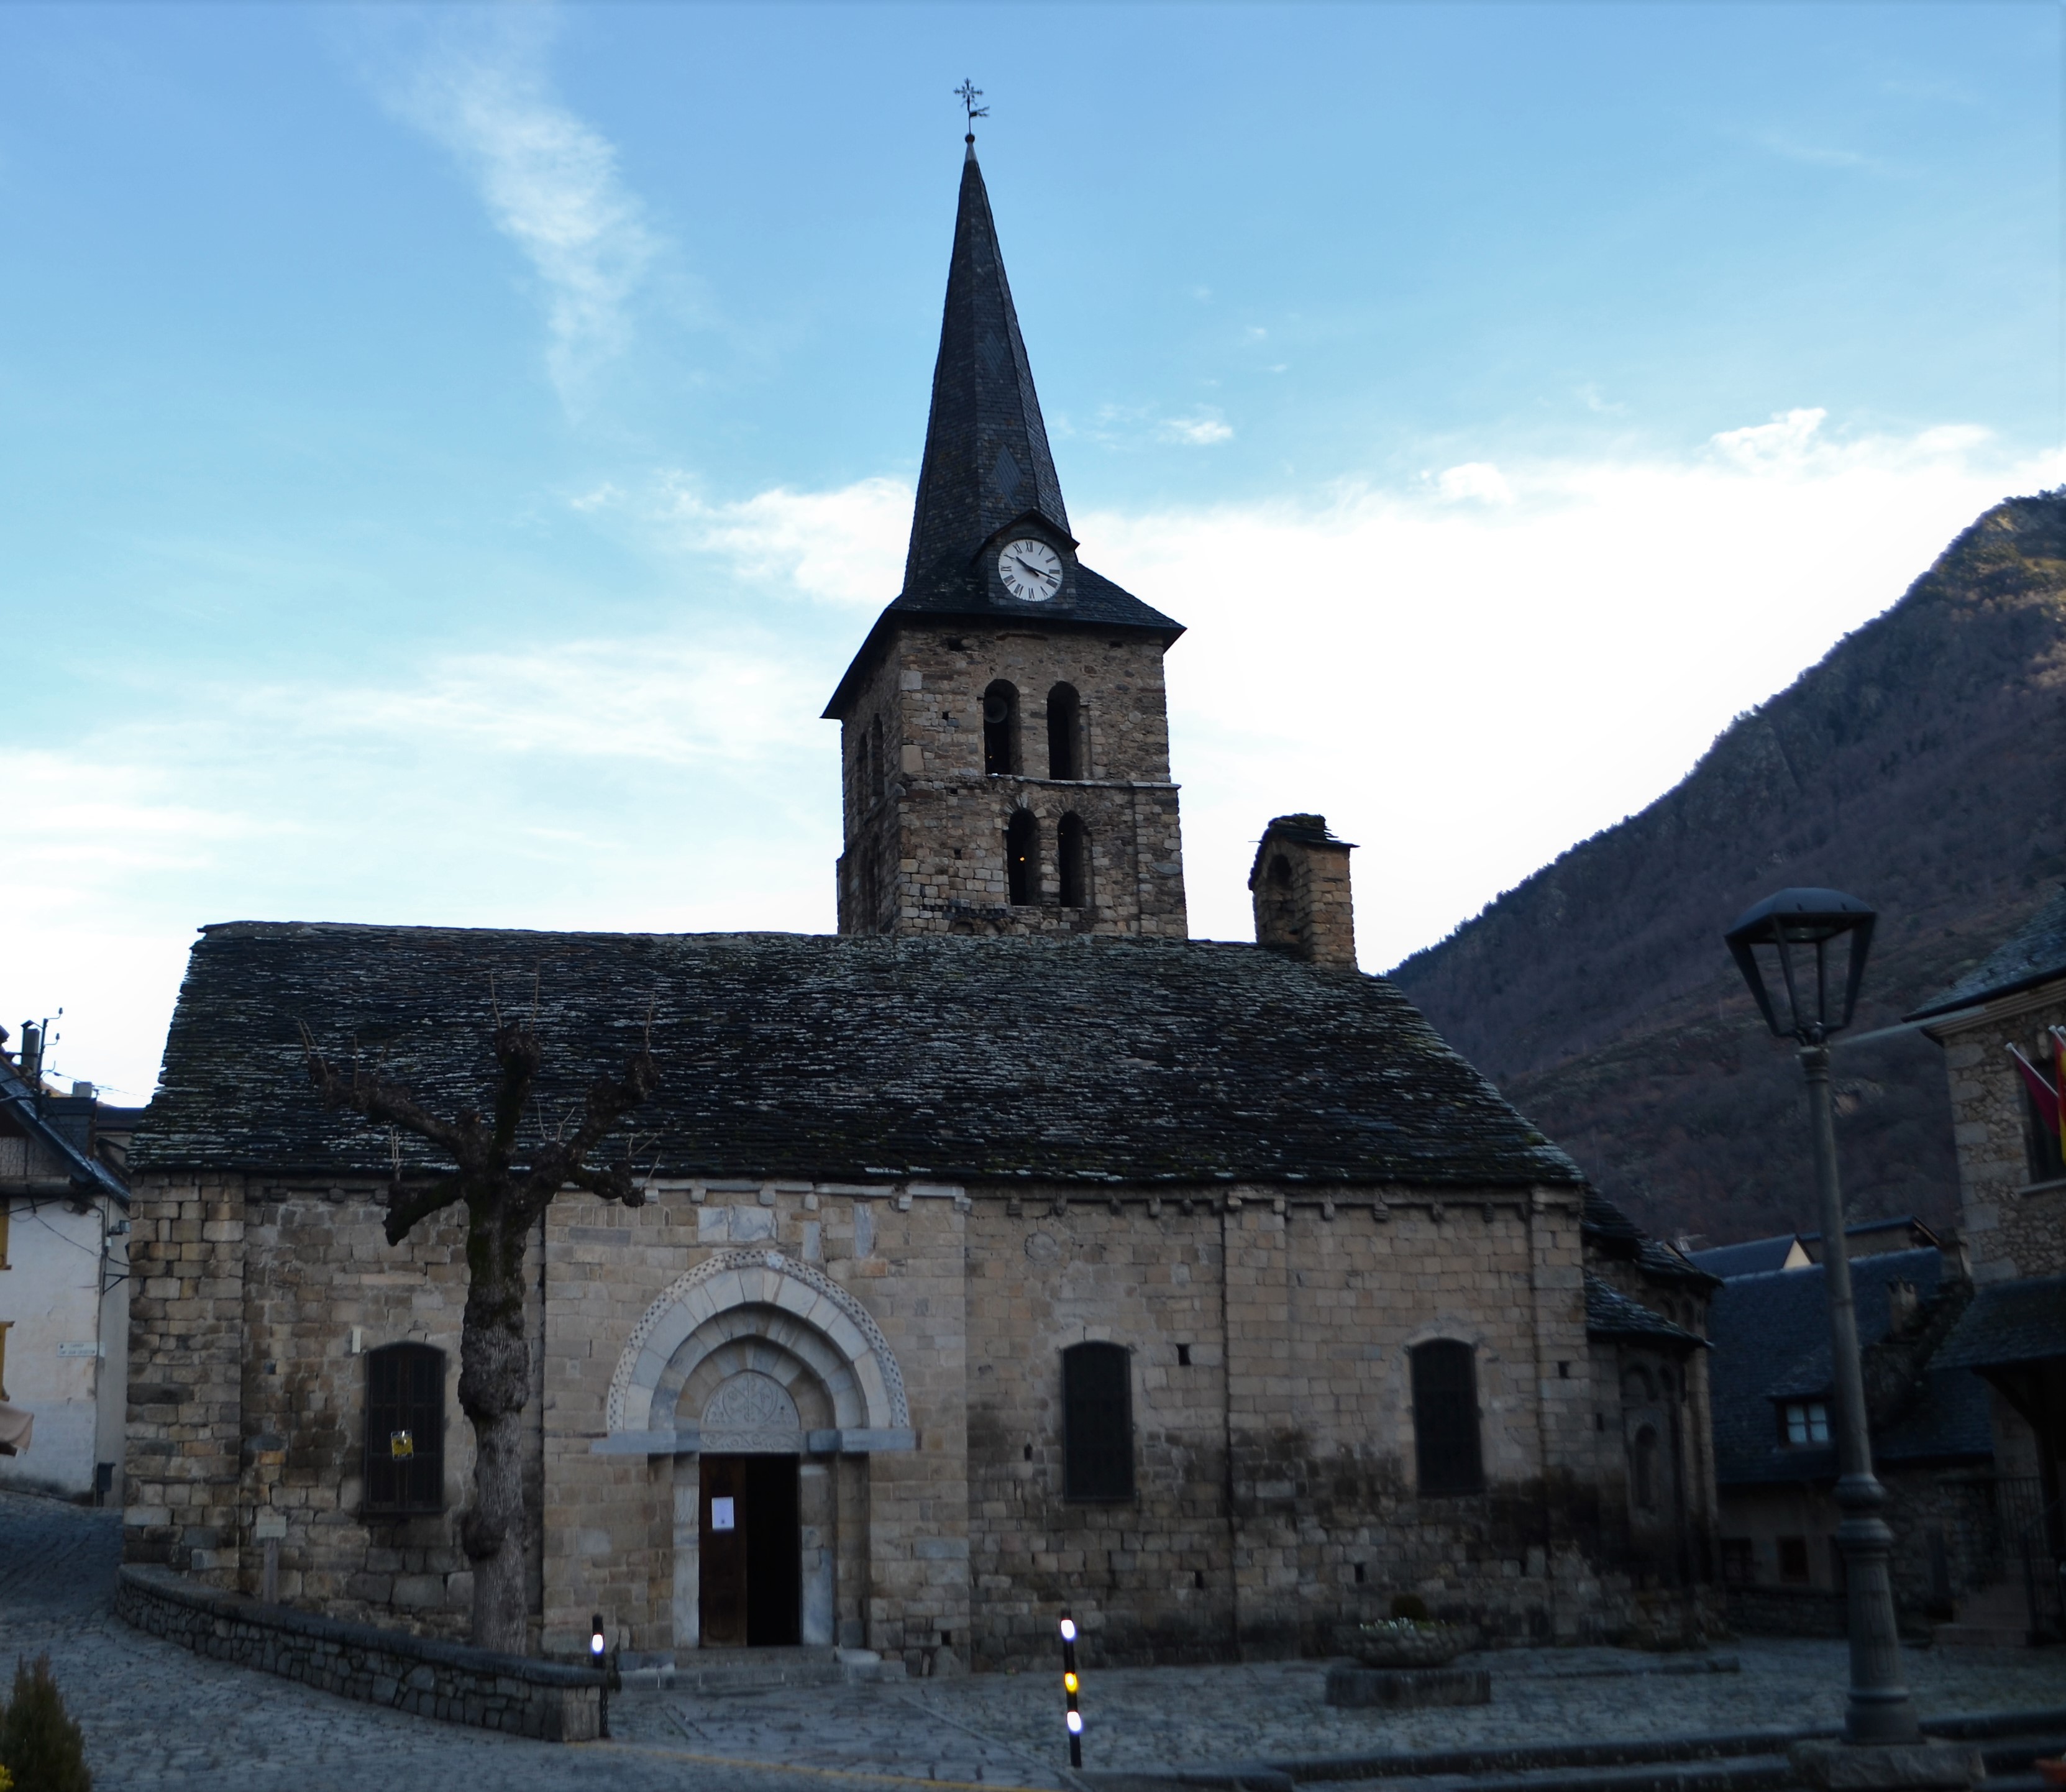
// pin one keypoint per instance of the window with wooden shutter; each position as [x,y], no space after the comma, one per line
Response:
[405,1428]
[1097,1423]
[1445,1418]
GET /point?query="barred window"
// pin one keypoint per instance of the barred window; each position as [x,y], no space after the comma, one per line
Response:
[405,1428]
[1097,1423]
[1445,1418]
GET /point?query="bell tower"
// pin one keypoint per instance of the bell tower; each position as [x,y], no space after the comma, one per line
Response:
[1004,737]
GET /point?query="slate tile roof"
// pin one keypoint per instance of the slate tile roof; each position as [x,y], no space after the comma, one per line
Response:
[840,1058]
[987,462]
[2036,953]
[2009,1322]
[1611,1313]
[63,1127]
[1771,1337]
[1618,1235]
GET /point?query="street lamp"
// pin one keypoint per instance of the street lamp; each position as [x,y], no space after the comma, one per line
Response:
[1795,933]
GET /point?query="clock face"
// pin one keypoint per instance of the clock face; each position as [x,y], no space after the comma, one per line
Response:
[1030,570]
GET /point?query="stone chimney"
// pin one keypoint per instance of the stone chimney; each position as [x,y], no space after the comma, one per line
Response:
[1300,882]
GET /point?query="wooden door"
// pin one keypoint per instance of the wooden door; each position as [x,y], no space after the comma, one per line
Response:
[722,1553]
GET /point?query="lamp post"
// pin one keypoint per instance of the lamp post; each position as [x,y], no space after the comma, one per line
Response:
[1793,933]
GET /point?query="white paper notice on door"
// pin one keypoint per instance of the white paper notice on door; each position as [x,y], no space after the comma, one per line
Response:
[721,1518]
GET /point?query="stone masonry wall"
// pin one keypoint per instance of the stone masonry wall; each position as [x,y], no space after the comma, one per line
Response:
[2010,1226]
[317,1287]
[186,1354]
[543,1699]
[1269,1333]
[925,847]
[1276,1495]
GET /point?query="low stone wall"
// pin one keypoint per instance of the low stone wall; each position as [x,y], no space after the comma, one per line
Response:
[547,1699]
[1807,1612]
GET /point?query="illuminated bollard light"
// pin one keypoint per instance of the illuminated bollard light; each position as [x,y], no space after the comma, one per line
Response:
[1070,1686]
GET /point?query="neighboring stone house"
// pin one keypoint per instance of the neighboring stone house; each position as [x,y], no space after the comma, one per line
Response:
[1196,1286]
[64,1288]
[2012,1222]
[1775,1456]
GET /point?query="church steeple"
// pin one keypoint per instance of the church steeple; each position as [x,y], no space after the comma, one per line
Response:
[1003,729]
[987,463]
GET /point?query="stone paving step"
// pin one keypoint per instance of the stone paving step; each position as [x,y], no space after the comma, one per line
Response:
[1746,1761]
[718,1672]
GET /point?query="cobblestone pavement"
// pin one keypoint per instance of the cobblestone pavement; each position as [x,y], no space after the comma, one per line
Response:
[160,1720]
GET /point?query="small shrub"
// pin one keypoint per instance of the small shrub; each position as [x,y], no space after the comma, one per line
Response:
[1409,1605]
[40,1747]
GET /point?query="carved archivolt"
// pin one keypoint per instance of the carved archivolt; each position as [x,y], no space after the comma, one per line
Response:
[763,1277]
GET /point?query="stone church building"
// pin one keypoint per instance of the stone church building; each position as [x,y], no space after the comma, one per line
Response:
[1008,1250]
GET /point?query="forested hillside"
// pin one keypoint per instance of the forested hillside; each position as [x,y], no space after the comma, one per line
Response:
[1920,765]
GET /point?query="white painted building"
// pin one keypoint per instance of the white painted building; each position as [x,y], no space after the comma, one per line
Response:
[64,1285]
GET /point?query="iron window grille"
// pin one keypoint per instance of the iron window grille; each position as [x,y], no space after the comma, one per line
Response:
[405,1428]
[1097,1423]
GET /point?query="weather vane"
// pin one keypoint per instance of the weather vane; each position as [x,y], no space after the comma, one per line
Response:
[968,93]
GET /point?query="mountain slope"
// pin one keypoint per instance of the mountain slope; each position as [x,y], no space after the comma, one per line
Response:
[1920,765]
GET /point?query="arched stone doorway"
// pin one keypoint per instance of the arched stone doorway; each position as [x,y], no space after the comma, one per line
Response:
[769,1385]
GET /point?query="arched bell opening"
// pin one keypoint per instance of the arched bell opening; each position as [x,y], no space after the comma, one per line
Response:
[1000,729]
[1065,725]
[1022,858]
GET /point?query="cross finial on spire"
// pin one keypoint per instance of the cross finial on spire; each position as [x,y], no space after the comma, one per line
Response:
[968,93]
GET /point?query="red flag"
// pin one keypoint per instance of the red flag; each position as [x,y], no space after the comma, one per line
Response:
[2044,1094]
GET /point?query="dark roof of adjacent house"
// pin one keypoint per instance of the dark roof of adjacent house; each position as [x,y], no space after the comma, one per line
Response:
[1771,1338]
[62,1125]
[1871,1231]
[1611,1313]
[845,1057]
[2009,1322]
[2036,953]
[1619,1236]
[1754,1257]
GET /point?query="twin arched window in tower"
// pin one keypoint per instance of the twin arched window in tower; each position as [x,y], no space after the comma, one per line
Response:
[1022,860]
[1003,755]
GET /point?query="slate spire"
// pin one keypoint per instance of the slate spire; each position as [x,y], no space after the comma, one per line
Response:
[987,463]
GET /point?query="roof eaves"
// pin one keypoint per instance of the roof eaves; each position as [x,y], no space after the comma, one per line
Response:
[89,1175]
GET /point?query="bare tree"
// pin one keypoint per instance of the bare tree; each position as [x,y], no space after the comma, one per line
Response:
[504,1197]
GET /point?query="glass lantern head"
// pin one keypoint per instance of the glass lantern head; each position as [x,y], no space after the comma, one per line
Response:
[1786,948]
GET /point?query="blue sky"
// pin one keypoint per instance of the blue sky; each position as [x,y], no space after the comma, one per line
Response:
[449,454]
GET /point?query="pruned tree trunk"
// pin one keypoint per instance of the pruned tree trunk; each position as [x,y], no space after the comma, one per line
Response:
[494,1379]
[504,1202]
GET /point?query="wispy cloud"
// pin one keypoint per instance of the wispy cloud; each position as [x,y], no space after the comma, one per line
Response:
[549,180]
[1202,429]
[1816,155]
[1476,481]
[843,547]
